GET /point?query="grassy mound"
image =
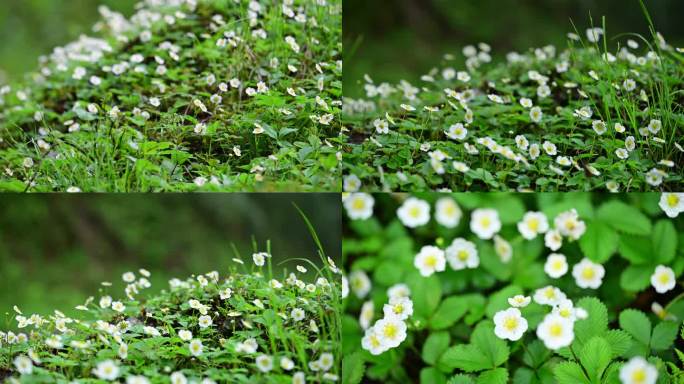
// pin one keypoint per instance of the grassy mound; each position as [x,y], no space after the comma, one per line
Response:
[186,94]
[587,117]
[244,328]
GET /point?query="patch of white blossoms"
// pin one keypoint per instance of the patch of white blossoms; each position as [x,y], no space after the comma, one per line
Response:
[390,331]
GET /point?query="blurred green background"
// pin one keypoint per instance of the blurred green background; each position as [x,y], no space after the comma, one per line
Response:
[30,28]
[55,250]
[403,39]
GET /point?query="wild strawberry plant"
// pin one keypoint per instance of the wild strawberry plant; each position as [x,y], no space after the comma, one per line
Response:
[603,113]
[513,288]
[183,95]
[248,326]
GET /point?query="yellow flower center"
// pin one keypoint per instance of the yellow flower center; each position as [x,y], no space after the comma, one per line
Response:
[557,264]
[556,330]
[375,342]
[398,308]
[430,261]
[550,293]
[358,204]
[588,273]
[639,375]
[672,200]
[485,222]
[450,210]
[664,278]
[390,331]
[462,255]
[565,312]
[533,224]
[570,225]
[414,212]
[511,323]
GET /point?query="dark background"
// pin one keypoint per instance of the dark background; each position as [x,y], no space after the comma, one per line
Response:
[55,250]
[403,39]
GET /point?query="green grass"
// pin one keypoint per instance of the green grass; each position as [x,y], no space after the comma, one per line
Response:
[168,135]
[255,310]
[416,153]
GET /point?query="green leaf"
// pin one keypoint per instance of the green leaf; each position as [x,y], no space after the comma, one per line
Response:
[619,340]
[460,379]
[499,300]
[431,375]
[664,241]
[596,324]
[494,376]
[636,249]
[664,335]
[536,354]
[570,373]
[494,348]
[595,357]
[636,277]
[636,324]
[434,346]
[599,242]
[426,293]
[624,218]
[466,357]
[450,311]
[353,368]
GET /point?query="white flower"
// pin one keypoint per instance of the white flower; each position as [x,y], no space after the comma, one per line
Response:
[178,378]
[521,142]
[553,240]
[400,307]
[185,335]
[462,254]
[526,103]
[549,295]
[297,314]
[352,183]
[503,249]
[532,224]
[594,34]
[359,206]
[299,378]
[326,360]
[509,324]
[414,212]
[567,310]
[447,212]
[137,380]
[663,279]
[366,314]
[123,350]
[259,258]
[622,153]
[381,126]
[128,277]
[672,203]
[619,128]
[429,260]
[536,114]
[391,331]
[398,290]
[107,370]
[556,265]
[345,287]
[534,151]
[519,301]
[588,274]
[457,132]
[556,331]
[629,85]
[264,363]
[599,127]
[118,306]
[205,321]
[549,148]
[196,347]
[360,283]
[638,371]
[105,301]
[54,341]
[286,363]
[568,224]
[248,346]
[485,223]
[24,365]
[372,342]
[654,126]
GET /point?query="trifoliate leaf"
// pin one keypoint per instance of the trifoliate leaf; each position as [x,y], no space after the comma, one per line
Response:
[434,346]
[450,311]
[599,242]
[570,373]
[595,357]
[636,277]
[636,324]
[619,340]
[624,218]
[466,357]
[596,324]
[664,335]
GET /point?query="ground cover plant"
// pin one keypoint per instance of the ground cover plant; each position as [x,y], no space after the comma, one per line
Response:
[604,113]
[247,326]
[513,288]
[183,95]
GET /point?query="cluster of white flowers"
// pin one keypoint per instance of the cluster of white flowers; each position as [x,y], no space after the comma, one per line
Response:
[389,331]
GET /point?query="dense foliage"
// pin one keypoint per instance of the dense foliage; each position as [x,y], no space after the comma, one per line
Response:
[498,288]
[183,95]
[593,116]
[245,327]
